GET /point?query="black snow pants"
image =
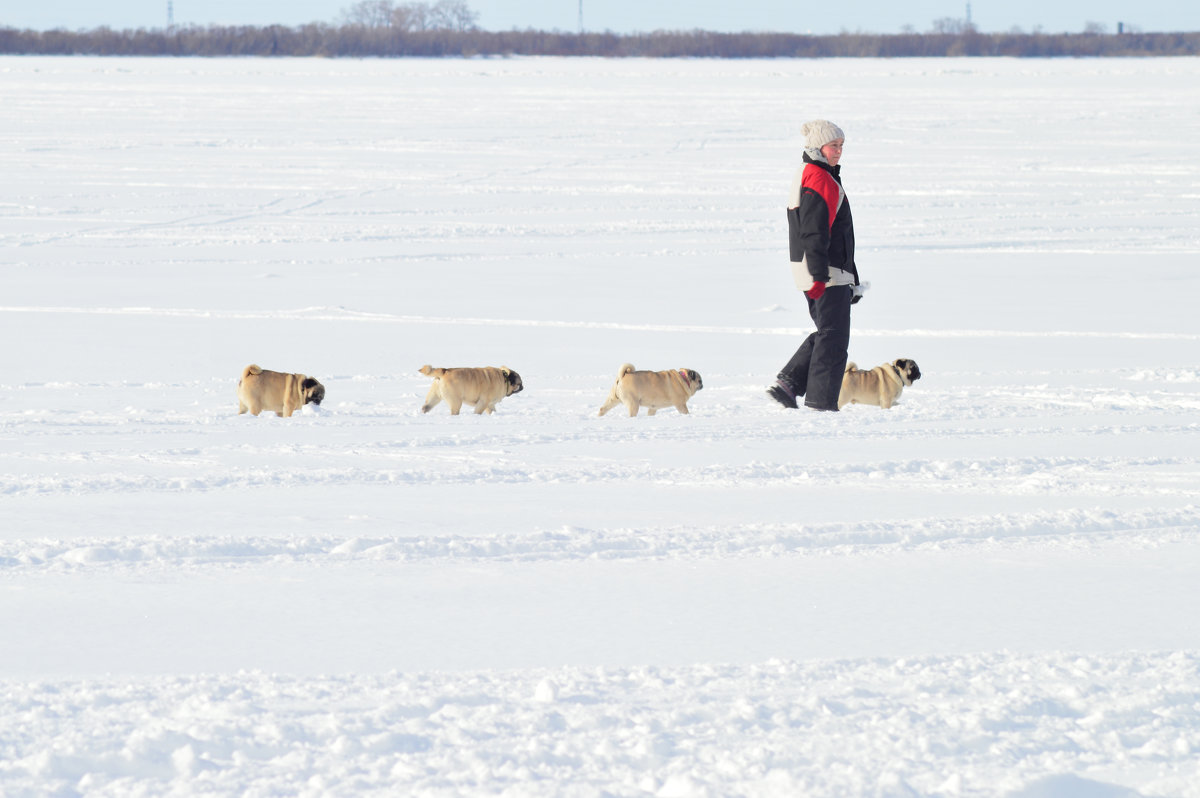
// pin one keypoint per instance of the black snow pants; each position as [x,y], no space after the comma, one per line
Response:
[815,371]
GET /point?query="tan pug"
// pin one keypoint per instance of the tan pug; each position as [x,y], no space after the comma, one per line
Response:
[480,387]
[652,390]
[880,386]
[284,394]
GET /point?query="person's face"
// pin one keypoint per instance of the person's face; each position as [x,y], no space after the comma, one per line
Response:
[833,151]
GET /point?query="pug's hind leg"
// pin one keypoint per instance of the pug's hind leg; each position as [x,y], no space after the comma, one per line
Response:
[609,403]
[431,399]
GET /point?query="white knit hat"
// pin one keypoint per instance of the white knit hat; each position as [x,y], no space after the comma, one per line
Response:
[820,132]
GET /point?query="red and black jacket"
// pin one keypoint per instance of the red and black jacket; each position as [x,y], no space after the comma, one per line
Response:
[820,227]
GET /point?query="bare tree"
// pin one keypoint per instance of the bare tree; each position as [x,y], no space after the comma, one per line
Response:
[452,15]
[445,15]
[951,25]
[410,17]
[369,13]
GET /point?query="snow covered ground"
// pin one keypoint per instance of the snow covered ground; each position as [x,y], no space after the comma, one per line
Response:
[990,589]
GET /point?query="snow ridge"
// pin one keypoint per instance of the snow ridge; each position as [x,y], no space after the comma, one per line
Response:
[1075,528]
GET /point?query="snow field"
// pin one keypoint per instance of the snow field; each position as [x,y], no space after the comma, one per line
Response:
[987,590]
[868,727]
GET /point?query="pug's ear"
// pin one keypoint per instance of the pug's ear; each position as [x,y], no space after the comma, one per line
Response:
[505,370]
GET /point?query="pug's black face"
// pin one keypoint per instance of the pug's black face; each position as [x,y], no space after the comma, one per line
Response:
[514,383]
[694,376]
[909,369]
[314,391]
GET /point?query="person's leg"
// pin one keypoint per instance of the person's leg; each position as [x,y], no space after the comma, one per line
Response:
[792,380]
[795,373]
[827,361]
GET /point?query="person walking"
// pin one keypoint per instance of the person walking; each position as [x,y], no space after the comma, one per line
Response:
[821,238]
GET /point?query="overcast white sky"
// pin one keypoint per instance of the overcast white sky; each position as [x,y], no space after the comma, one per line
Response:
[796,16]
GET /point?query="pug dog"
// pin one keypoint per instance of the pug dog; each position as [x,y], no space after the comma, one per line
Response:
[284,394]
[652,390]
[880,386]
[480,387]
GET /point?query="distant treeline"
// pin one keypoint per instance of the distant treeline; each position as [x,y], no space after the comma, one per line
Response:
[356,40]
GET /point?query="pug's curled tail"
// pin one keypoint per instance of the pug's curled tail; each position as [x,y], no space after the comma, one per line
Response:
[851,367]
[253,368]
[626,369]
[430,371]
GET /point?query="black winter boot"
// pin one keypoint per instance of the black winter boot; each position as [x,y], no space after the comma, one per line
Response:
[782,392]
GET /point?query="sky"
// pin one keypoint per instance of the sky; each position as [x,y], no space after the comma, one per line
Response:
[625,16]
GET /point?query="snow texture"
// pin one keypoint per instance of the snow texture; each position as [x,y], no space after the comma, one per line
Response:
[988,590]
